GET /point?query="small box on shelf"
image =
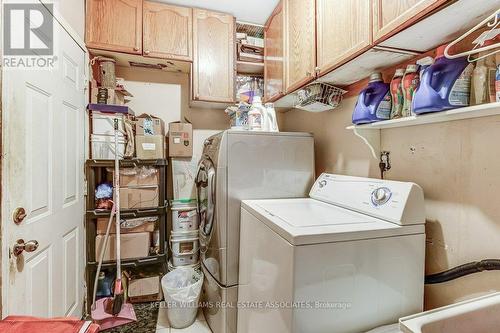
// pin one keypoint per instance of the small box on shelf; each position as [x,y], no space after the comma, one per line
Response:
[150,146]
[180,139]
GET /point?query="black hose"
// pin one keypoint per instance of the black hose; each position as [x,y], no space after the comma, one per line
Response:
[462,270]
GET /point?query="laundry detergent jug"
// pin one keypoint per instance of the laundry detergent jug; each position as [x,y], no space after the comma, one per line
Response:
[374,102]
[444,85]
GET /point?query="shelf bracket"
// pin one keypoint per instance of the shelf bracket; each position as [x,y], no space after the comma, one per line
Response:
[371,138]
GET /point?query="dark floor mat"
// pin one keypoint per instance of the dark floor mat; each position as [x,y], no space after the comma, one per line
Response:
[147,316]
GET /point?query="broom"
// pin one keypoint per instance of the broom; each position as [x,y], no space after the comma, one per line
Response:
[114,305]
[112,311]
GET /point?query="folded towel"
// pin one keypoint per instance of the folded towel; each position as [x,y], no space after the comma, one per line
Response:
[250,49]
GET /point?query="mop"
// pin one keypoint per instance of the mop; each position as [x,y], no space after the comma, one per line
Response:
[113,311]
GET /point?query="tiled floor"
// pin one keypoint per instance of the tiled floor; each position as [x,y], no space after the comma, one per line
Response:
[163,326]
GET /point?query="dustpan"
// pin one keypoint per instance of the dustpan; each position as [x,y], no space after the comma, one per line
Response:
[110,311]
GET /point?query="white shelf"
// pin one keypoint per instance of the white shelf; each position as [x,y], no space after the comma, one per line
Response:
[476,111]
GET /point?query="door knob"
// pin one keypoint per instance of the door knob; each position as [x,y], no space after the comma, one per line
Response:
[21,246]
[19,215]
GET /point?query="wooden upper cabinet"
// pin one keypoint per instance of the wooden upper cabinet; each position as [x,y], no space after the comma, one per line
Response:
[390,15]
[300,43]
[214,69]
[273,55]
[114,25]
[344,30]
[167,31]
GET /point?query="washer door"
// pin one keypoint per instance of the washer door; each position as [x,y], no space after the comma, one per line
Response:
[205,184]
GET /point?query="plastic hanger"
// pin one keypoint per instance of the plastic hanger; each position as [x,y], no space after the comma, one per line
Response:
[492,21]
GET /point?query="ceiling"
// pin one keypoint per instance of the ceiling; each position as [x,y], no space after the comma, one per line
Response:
[253,11]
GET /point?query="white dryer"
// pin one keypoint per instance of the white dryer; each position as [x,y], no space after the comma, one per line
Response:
[347,259]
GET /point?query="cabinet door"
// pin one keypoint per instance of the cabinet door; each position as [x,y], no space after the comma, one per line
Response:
[273,55]
[213,59]
[344,29]
[114,25]
[390,15]
[300,43]
[167,31]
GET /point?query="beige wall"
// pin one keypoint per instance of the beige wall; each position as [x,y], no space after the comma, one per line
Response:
[171,102]
[337,149]
[458,166]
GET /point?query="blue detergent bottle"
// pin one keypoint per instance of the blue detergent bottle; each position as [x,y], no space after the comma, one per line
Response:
[374,102]
[444,85]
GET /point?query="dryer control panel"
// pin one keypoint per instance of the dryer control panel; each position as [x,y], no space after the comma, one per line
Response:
[393,201]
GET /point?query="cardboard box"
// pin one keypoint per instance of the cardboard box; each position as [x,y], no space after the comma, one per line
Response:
[150,147]
[99,95]
[146,124]
[140,176]
[180,139]
[144,287]
[139,197]
[134,245]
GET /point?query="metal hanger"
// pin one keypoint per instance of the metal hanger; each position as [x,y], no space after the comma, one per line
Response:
[493,22]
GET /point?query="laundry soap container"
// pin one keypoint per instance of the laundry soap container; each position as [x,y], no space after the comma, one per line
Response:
[374,102]
[444,85]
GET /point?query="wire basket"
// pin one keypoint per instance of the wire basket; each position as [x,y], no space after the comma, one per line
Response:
[318,97]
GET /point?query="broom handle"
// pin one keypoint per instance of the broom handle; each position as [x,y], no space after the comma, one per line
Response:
[117,205]
[101,256]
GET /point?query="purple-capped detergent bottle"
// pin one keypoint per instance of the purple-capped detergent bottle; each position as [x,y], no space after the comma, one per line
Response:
[374,102]
[444,85]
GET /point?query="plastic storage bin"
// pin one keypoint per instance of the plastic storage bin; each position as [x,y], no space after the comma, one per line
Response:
[104,123]
[103,147]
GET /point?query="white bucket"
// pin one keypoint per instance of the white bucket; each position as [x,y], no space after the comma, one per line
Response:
[196,267]
[184,216]
[182,290]
[185,248]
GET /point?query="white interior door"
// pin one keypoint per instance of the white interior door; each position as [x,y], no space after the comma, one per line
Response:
[43,149]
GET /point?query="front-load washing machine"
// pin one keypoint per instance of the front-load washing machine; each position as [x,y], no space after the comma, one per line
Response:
[239,165]
[347,259]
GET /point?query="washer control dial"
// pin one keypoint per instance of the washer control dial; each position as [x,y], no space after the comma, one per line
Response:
[381,195]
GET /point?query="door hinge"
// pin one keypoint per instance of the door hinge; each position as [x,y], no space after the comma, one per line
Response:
[85,185]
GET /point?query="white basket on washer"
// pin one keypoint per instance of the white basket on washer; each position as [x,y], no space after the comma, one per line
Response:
[185,248]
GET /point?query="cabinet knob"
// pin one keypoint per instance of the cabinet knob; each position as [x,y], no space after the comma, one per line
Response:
[136,48]
[308,73]
[147,52]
